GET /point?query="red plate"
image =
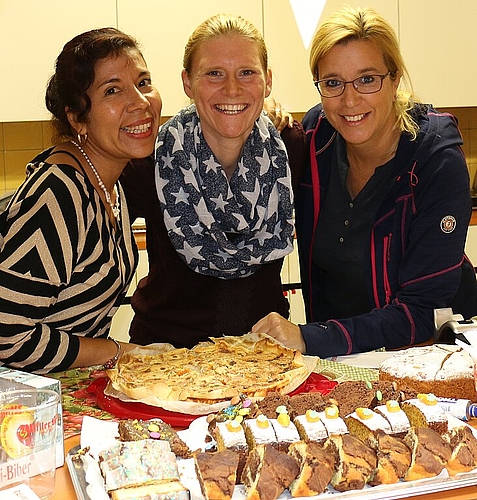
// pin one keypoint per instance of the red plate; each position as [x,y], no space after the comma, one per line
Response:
[121,409]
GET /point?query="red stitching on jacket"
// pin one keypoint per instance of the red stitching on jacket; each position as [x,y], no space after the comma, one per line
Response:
[345,333]
[432,275]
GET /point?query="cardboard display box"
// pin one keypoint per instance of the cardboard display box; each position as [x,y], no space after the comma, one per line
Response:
[15,379]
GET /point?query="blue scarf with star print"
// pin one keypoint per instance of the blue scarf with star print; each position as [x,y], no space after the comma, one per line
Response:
[221,228]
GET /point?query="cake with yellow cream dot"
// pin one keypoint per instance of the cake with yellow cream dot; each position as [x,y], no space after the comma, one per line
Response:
[259,431]
[424,411]
[285,430]
[363,422]
[311,428]
[332,421]
[396,417]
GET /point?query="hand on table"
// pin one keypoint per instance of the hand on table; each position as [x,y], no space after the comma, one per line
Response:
[281,329]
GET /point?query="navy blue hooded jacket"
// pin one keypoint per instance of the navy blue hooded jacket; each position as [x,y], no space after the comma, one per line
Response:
[416,246]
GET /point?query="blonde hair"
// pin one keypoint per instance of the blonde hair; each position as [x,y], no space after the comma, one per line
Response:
[223,25]
[366,24]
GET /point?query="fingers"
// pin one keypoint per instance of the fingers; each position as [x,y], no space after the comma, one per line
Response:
[277,114]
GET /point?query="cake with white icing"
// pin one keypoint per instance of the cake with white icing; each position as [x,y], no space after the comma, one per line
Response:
[440,369]
[332,421]
[424,411]
[286,432]
[310,427]
[396,417]
[259,431]
[363,422]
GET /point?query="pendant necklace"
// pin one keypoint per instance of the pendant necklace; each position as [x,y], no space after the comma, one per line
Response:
[114,206]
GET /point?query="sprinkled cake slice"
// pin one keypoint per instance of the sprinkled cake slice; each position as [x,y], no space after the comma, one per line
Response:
[134,430]
[135,465]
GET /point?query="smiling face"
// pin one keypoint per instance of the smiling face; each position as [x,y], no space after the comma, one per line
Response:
[364,120]
[125,110]
[228,83]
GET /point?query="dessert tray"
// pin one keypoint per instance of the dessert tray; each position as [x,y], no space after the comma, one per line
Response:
[88,483]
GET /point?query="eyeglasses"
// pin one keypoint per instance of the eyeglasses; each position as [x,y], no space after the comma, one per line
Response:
[368,84]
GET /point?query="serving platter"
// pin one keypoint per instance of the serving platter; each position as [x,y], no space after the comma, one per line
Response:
[195,437]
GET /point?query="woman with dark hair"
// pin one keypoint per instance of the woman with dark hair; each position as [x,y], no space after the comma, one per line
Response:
[67,252]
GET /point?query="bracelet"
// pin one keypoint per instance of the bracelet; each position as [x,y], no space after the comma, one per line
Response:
[111,363]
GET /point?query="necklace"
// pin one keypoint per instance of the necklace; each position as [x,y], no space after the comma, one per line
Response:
[114,206]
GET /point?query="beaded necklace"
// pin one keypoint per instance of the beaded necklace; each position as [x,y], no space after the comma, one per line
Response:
[114,206]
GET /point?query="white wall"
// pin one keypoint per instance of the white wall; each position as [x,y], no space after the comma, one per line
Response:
[438,44]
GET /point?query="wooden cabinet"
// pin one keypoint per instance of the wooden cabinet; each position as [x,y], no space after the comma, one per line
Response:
[437,40]
[439,46]
[288,56]
[163,30]
[32,34]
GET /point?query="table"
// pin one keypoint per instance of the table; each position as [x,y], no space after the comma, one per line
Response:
[65,490]
[77,401]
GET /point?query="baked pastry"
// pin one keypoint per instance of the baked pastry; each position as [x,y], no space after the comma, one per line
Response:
[252,364]
[285,431]
[229,435]
[356,462]
[259,431]
[393,458]
[332,421]
[350,395]
[440,369]
[430,453]
[268,472]
[311,428]
[135,429]
[424,411]
[396,417]
[464,450]
[217,474]
[133,464]
[363,422]
[316,469]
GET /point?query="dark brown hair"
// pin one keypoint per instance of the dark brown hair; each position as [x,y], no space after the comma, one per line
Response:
[75,72]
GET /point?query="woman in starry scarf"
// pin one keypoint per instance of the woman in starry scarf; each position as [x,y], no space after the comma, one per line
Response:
[221,220]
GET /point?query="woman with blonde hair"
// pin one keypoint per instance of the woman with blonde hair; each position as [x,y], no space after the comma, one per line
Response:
[218,203]
[380,239]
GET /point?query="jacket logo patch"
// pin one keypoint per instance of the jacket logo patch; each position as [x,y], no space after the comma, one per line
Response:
[448,224]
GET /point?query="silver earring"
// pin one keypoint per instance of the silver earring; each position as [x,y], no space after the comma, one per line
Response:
[82,138]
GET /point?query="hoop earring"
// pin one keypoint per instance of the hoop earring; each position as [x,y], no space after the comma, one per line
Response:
[82,138]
